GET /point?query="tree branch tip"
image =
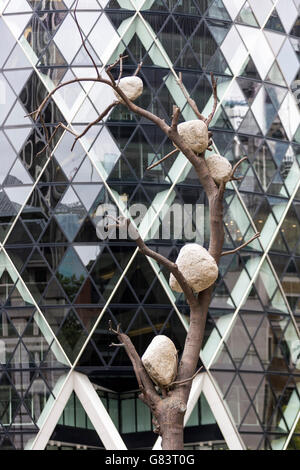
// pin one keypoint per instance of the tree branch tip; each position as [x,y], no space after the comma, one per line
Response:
[231,252]
[117,331]
[181,382]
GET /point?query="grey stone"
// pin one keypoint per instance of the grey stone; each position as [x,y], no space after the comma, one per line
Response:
[132,87]
[198,267]
[219,168]
[160,360]
[195,135]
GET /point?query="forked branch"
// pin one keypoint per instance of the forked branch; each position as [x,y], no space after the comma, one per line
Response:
[146,386]
[190,101]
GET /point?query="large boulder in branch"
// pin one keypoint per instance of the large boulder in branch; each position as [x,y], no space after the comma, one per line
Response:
[198,267]
[194,135]
[160,360]
[219,168]
[132,87]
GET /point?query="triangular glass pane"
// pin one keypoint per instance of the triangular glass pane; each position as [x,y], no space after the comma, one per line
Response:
[87,233]
[237,400]
[88,294]
[70,213]
[51,56]
[275,75]
[71,273]
[69,160]
[172,48]
[203,44]
[21,357]
[221,120]
[218,30]
[19,235]
[250,182]
[72,335]
[124,294]
[249,125]
[251,361]
[53,294]
[295,31]
[246,16]
[218,10]
[249,69]
[263,110]
[251,422]
[277,95]
[17,176]
[218,64]
[87,193]
[235,105]
[274,22]
[53,233]
[105,273]
[87,173]
[250,88]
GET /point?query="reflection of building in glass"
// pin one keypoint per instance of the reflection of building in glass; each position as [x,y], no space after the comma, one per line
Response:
[60,285]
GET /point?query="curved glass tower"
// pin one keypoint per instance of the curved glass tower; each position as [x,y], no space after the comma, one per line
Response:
[61,384]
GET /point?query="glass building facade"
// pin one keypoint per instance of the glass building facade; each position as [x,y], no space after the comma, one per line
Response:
[60,284]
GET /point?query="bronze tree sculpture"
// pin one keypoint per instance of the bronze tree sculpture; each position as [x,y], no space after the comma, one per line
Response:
[167,404]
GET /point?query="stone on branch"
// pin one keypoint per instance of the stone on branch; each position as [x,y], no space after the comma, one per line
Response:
[198,267]
[219,168]
[160,360]
[132,87]
[194,134]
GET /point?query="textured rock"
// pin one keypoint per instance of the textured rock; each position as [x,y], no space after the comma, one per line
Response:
[160,360]
[194,134]
[131,86]
[198,267]
[219,168]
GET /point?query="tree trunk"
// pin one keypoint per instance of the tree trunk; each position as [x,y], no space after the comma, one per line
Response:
[170,420]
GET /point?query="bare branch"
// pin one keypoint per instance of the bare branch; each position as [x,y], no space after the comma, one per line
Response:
[172,267]
[224,253]
[36,114]
[233,178]
[175,117]
[214,82]
[145,383]
[83,41]
[180,382]
[162,160]
[60,125]
[99,118]
[189,99]
[137,71]
[111,66]
[121,70]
